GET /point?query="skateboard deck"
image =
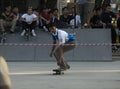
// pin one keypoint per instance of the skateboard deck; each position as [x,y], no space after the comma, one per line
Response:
[57,72]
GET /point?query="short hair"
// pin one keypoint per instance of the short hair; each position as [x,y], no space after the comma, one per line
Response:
[108,5]
[51,24]
[53,10]
[98,9]
[44,8]
[30,7]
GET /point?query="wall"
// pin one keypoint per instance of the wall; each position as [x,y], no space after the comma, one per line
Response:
[41,53]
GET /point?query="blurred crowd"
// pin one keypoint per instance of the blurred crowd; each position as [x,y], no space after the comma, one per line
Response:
[106,19]
[32,18]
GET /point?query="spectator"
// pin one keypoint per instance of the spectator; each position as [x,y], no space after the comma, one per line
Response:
[118,15]
[35,11]
[107,17]
[8,20]
[5,82]
[88,23]
[65,17]
[75,18]
[17,15]
[45,17]
[29,21]
[55,18]
[96,21]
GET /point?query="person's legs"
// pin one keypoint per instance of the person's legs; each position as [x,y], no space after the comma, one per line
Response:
[32,25]
[119,37]
[59,54]
[67,48]
[5,87]
[113,35]
[32,28]
[24,26]
[59,58]
[2,25]
[13,25]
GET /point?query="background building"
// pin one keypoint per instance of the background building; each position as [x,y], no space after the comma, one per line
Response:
[23,4]
[84,7]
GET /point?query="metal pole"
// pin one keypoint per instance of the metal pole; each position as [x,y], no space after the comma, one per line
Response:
[75,7]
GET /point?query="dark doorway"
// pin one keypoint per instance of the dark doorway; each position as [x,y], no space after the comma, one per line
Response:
[21,4]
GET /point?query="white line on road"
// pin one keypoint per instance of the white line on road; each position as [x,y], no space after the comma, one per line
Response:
[72,71]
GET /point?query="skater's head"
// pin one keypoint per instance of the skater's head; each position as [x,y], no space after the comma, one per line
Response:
[30,10]
[52,27]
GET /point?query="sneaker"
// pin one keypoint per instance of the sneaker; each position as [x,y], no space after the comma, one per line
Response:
[33,33]
[60,69]
[65,68]
[22,34]
[68,66]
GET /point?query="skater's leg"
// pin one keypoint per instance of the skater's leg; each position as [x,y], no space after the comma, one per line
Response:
[66,49]
[59,57]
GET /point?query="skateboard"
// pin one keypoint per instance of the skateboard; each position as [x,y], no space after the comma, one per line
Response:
[58,72]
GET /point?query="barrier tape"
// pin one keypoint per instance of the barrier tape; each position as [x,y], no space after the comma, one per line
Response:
[81,44]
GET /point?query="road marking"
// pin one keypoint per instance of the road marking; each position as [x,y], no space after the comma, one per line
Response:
[71,71]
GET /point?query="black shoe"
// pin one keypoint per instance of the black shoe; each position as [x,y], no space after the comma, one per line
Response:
[68,67]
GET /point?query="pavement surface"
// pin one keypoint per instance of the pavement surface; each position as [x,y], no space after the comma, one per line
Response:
[82,75]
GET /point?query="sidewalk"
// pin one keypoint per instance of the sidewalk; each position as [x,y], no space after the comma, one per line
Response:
[82,75]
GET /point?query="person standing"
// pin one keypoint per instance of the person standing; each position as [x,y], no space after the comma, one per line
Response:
[108,18]
[63,38]
[118,25]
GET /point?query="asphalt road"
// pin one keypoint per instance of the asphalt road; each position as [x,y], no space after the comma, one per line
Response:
[82,75]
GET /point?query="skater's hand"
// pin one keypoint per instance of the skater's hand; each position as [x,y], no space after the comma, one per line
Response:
[51,54]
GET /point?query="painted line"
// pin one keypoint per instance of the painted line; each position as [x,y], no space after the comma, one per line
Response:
[74,71]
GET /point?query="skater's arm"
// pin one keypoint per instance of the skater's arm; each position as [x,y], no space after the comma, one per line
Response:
[54,45]
[53,48]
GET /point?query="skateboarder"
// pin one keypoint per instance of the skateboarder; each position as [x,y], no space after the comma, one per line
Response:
[63,38]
